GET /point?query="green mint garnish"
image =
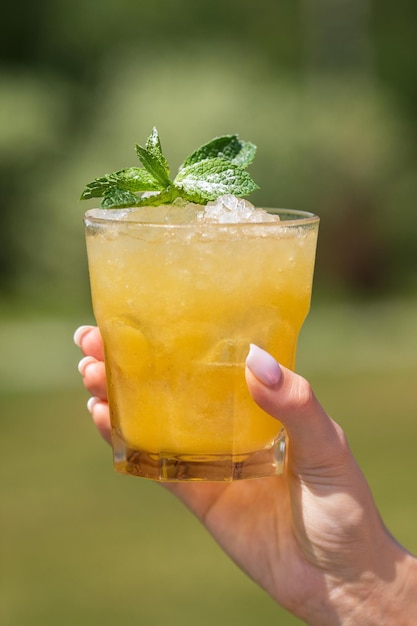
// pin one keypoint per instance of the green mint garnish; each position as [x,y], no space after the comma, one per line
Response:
[215,169]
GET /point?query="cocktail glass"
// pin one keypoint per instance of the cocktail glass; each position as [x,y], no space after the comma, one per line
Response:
[178,303]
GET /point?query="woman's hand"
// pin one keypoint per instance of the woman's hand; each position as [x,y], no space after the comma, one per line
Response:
[312,538]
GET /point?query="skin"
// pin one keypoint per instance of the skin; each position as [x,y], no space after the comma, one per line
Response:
[312,538]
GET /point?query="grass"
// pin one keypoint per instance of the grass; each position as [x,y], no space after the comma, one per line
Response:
[81,545]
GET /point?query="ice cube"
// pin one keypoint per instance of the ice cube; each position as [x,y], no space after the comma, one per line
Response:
[109,214]
[227,352]
[164,214]
[229,209]
[260,215]
[235,204]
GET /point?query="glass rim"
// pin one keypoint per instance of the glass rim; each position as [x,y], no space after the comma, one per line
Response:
[300,218]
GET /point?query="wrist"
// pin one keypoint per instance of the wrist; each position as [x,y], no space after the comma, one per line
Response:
[387,595]
[383,593]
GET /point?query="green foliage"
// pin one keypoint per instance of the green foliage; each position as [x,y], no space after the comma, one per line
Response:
[211,178]
[130,179]
[154,161]
[228,147]
[213,170]
[332,138]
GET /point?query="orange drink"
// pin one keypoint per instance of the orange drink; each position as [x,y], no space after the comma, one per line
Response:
[178,300]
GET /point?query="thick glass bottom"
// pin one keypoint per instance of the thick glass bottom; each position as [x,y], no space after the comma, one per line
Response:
[166,467]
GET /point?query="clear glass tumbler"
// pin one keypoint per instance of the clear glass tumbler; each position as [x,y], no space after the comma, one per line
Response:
[178,303]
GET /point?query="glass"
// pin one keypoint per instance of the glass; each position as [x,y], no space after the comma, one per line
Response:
[178,305]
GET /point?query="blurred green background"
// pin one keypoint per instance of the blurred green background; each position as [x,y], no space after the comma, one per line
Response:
[328,92]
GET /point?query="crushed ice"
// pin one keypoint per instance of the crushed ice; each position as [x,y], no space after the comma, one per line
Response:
[229,209]
[226,209]
[110,214]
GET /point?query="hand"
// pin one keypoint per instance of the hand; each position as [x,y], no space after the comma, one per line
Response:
[312,538]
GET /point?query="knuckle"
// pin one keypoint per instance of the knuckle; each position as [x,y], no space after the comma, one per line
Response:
[302,395]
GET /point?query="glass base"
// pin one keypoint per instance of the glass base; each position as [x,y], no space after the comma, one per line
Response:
[166,467]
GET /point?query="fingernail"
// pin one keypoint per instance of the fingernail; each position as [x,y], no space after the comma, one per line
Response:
[91,403]
[84,363]
[79,334]
[263,366]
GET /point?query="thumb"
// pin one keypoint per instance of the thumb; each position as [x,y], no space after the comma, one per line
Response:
[315,439]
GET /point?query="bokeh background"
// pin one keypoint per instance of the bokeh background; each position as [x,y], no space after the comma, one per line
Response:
[328,92]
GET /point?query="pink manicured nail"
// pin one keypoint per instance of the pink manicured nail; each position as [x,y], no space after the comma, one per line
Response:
[79,334]
[263,366]
[84,363]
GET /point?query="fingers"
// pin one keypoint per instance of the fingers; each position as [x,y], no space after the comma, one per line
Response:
[94,376]
[88,338]
[92,369]
[99,410]
[314,438]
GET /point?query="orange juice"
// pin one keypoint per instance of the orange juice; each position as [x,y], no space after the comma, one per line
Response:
[177,306]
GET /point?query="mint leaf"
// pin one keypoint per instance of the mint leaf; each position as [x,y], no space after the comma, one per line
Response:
[118,198]
[211,178]
[153,160]
[129,179]
[246,154]
[228,147]
[153,146]
[98,187]
[136,179]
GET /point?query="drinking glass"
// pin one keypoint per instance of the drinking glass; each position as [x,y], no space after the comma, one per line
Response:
[178,303]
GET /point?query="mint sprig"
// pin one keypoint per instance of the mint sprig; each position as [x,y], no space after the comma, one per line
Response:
[214,169]
[210,178]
